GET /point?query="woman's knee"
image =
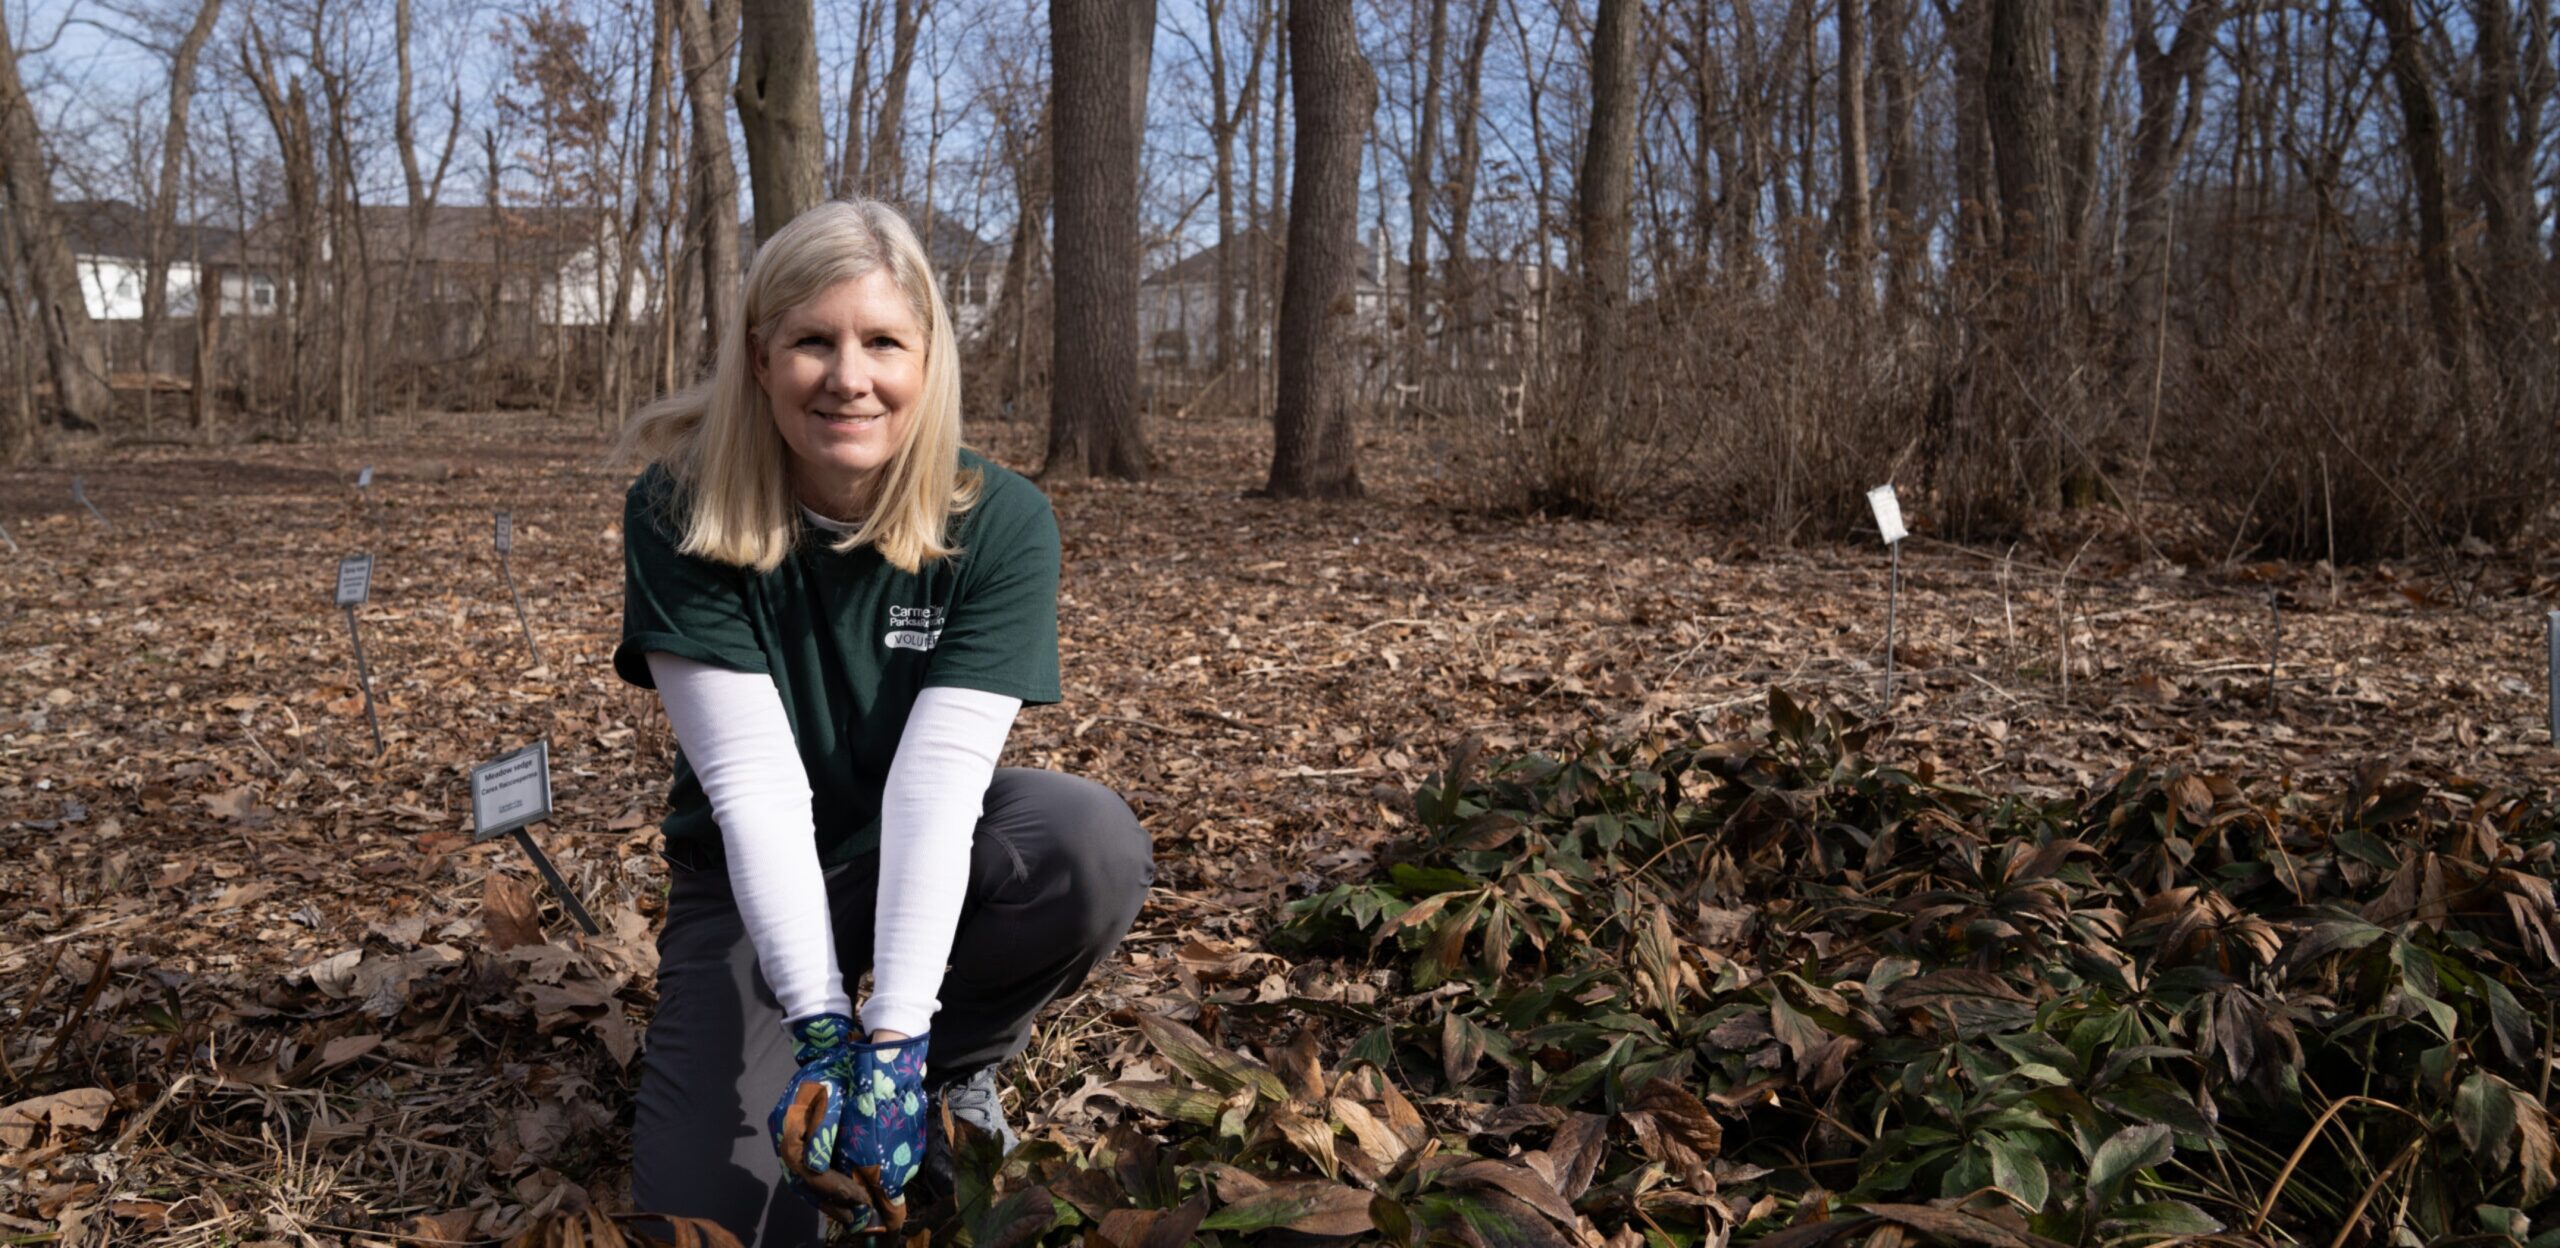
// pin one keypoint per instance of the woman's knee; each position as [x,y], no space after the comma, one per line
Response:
[1090,836]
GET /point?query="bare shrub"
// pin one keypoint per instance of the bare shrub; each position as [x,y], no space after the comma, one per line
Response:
[1778,415]
[2300,436]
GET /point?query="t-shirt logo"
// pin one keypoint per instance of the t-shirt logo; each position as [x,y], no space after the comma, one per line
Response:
[913,628]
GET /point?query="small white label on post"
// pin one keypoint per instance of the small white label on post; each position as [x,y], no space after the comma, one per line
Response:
[506,532]
[1888,511]
[364,478]
[355,580]
[511,791]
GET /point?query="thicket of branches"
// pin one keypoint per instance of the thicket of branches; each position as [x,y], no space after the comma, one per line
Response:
[2293,265]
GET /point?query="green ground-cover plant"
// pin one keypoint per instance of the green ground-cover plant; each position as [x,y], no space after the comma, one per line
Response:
[1778,991]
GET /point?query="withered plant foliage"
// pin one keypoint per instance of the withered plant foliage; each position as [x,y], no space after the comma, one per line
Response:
[1779,991]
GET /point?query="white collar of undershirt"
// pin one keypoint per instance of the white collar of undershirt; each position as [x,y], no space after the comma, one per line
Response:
[829,523]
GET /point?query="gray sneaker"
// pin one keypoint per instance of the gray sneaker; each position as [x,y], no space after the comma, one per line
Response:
[974,1101]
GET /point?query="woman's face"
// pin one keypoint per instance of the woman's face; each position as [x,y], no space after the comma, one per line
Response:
[842,375]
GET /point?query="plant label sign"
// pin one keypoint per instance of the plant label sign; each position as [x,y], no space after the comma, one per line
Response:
[355,580]
[506,539]
[364,479]
[1888,511]
[511,791]
[13,542]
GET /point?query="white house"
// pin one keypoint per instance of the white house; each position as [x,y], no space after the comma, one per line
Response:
[106,238]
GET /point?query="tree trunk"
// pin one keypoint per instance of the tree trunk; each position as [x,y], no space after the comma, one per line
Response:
[2506,108]
[1314,452]
[778,111]
[2169,85]
[289,117]
[1855,220]
[710,36]
[72,354]
[423,190]
[1603,186]
[1465,113]
[2017,89]
[1093,406]
[888,172]
[2422,139]
[158,245]
[1423,177]
[857,102]
[613,398]
[2081,71]
[1906,242]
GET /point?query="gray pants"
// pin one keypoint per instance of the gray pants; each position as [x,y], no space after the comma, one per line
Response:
[1056,874]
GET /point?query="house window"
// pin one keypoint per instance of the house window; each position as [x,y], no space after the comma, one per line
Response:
[262,294]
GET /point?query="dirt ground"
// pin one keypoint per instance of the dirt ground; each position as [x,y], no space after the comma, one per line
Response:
[257,983]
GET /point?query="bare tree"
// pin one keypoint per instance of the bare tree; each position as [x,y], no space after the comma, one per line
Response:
[2422,141]
[778,110]
[857,102]
[1314,451]
[73,358]
[1603,188]
[1855,218]
[1096,66]
[710,38]
[2018,104]
[288,112]
[424,189]
[887,175]
[160,219]
[1421,173]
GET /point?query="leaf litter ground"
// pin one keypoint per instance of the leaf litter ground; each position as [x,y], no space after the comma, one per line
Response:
[257,984]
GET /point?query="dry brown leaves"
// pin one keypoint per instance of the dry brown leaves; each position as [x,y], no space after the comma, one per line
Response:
[255,982]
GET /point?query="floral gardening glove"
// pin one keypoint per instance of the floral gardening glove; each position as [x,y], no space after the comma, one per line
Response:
[823,1045]
[884,1126]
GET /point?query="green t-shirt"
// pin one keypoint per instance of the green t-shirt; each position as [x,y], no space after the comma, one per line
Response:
[848,640]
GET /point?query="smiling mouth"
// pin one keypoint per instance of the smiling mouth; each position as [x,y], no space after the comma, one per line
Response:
[842,418]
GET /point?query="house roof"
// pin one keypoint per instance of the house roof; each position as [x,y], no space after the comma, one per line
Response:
[114,229]
[455,234]
[1201,266]
[948,243]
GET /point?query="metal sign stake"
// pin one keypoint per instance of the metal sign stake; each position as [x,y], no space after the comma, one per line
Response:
[80,495]
[2551,627]
[1888,511]
[506,541]
[355,584]
[511,793]
[2275,647]
[13,542]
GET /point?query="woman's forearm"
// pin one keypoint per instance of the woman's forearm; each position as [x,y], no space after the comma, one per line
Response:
[739,743]
[928,814]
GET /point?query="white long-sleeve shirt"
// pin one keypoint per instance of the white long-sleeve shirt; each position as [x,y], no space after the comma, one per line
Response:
[738,739]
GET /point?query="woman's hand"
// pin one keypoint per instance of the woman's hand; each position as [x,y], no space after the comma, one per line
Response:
[823,1044]
[883,1127]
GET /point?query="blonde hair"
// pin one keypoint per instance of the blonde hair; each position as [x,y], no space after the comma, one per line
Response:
[717,438]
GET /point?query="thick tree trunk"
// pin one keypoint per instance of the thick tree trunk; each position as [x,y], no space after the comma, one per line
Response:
[2081,71]
[1905,241]
[1093,406]
[72,355]
[1855,219]
[778,110]
[710,36]
[1603,187]
[1978,232]
[2422,140]
[2506,109]
[2017,90]
[887,175]
[1314,451]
